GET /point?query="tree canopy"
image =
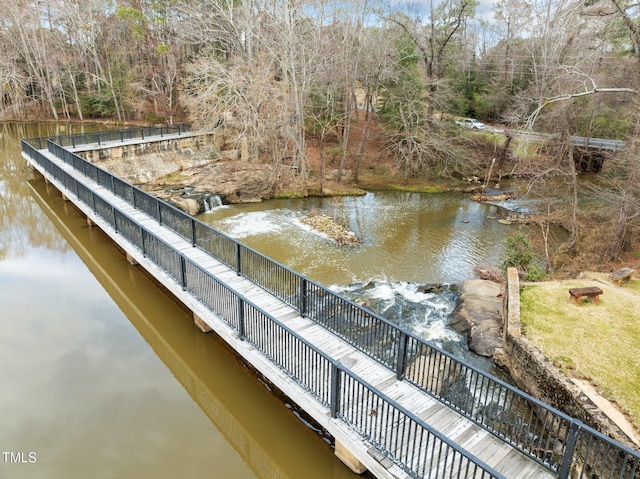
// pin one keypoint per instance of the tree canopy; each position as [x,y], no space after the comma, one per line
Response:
[271,71]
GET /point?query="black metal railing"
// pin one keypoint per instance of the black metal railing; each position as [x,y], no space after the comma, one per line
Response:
[404,438]
[548,436]
[110,136]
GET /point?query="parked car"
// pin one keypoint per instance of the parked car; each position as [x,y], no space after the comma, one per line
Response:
[471,124]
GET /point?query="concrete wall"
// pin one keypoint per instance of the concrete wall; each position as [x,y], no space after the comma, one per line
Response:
[187,142]
[536,374]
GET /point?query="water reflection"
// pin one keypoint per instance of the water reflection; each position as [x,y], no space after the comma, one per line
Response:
[20,219]
[132,405]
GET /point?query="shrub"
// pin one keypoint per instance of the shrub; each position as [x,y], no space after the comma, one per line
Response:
[521,255]
[154,118]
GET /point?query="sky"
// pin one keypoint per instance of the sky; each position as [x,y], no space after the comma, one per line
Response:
[484,10]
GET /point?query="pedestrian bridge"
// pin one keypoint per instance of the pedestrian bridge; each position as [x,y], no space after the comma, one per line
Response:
[395,404]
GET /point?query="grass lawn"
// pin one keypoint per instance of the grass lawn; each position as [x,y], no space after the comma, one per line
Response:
[597,342]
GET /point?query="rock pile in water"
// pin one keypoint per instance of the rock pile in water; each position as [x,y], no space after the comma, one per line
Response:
[325,224]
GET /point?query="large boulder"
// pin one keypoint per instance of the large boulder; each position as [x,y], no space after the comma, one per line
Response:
[479,314]
[238,182]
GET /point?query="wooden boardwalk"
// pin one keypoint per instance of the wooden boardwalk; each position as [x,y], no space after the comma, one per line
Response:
[350,446]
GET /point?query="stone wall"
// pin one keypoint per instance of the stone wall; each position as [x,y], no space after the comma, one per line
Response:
[535,374]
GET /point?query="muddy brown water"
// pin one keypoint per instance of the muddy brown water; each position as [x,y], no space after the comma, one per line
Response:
[103,375]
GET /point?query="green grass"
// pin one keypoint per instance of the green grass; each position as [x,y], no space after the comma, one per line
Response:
[418,189]
[597,342]
[285,195]
[527,149]
[175,177]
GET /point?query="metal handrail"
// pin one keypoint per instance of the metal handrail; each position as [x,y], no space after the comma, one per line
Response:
[543,433]
[101,137]
[330,383]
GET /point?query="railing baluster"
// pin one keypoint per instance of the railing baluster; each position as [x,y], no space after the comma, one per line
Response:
[241,331]
[183,273]
[303,297]
[402,355]
[572,436]
[238,264]
[335,390]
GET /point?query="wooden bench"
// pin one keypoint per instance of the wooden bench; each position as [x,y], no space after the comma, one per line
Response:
[576,294]
[621,276]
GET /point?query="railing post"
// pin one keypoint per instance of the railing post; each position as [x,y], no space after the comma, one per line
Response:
[115,220]
[159,212]
[335,389]
[142,235]
[183,273]
[569,449]
[238,265]
[193,232]
[241,318]
[303,296]
[401,360]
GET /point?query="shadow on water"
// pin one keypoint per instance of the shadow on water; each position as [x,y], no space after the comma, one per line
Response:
[273,440]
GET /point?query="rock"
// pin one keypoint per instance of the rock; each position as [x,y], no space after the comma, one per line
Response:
[482,197]
[335,231]
[432,288]
[460,321]
[189,205]
[489,273]
[479,313]
[235,182]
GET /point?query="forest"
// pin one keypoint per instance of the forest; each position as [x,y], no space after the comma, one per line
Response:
[276,73]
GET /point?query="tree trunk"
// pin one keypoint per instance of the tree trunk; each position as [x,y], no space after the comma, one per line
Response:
[573,178]
[323,136]
[629,199]
[368,114]
[346,129]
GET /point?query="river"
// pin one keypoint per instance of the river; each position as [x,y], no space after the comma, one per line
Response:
[405,236]
[408,240]
[105,376]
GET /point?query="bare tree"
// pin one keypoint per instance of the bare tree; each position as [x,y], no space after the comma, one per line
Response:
[279,43]
[435,35]
[571,78]
[376,66]
[628,198]
[559,69]
[30,38]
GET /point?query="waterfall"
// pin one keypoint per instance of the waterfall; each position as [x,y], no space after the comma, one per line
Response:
[211,202]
